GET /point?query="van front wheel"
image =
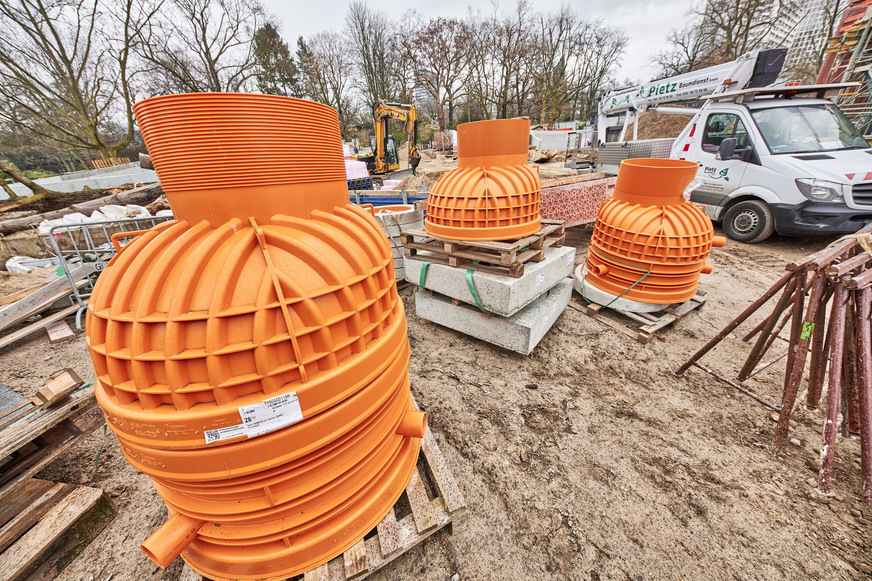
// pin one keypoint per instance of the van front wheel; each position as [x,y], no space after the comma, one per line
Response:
[750,221]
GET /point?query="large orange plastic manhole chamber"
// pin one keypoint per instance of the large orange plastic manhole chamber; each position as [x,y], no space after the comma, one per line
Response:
[493,194]
[649,243]
[252,356]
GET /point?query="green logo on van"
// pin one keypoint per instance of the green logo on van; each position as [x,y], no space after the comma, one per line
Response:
[713,173]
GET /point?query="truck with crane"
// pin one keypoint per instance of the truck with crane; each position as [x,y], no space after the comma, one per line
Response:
[772,158]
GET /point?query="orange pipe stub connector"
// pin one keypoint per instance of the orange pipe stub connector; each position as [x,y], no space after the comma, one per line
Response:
[171,538]
[649,244]
[493,194]
[413,424]
[252,355]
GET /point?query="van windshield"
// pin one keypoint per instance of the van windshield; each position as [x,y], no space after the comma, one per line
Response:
[807,128]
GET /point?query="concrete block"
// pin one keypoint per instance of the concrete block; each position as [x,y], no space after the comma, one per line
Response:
[520,333]
[502,295]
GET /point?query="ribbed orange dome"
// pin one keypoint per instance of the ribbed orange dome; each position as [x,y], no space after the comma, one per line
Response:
[252,355]
[647,225]
[493,194]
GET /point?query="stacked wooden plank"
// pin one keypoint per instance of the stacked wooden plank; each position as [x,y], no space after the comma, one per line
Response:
[43,524]
[644,326]
[829,353]
[21,306]
[497,257]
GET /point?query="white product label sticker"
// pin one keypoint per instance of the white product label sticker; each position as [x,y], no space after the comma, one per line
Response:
[260,418]
[570,258]
[224,433]
[540,279]
[272,414]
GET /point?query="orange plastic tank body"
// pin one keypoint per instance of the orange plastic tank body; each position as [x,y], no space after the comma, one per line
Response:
[251,355]
[493,194]
[648,238]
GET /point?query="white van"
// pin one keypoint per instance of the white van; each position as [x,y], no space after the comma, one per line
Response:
[771,162]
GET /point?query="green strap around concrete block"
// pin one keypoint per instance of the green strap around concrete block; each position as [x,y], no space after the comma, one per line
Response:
[474,292]
[423,278]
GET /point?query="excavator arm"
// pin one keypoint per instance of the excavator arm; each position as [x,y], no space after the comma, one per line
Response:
[384,156]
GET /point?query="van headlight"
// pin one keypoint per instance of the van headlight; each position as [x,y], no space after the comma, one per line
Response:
[821,190]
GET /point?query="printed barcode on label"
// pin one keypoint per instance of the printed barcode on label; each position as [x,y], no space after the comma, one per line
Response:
[260,418]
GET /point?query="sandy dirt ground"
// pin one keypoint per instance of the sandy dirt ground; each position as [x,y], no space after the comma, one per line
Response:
[586,460]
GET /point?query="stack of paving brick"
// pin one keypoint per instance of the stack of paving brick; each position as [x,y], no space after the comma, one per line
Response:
[473,213]
[576,200]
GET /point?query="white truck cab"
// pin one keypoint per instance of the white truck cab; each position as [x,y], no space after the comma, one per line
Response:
[772,158]
[771,162]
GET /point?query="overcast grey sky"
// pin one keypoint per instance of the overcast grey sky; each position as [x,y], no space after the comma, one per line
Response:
[646,21]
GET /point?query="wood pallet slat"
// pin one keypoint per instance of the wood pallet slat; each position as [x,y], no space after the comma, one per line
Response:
[34,442]
[649,323]
[46,547]
[393,537]
[498,257]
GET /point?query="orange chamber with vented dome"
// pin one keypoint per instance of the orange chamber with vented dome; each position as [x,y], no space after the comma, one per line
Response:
[251,355]
[493,194]
[649,243]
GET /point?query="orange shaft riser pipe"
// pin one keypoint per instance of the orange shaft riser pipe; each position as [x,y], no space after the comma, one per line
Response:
[649,244]
[252,356]
[493,194]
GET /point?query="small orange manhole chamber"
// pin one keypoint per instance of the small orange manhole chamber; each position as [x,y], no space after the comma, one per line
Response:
[649,243]
[493,194]
[252,356]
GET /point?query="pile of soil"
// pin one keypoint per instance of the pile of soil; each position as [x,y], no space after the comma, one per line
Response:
[589,459]
[654,125]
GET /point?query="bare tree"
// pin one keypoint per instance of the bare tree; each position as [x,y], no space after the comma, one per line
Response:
[326,65]
[499,72]
[689,49]
[572,61]
[64,70]
[739,26]
[438,52]
[197,46]
[373,37]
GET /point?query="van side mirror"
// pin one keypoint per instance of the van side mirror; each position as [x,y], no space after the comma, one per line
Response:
[749,154]
[725,151]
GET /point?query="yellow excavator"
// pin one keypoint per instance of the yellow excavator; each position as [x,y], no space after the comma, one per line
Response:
[384,158]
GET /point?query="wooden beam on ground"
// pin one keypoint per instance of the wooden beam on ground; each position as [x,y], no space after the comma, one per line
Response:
[31,514]
[573,180]
[59,331]
[9,299]
[42,298]
[34,327]
[59,386]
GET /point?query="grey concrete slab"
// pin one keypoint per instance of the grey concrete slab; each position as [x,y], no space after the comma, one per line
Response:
[520,333]
[499,294]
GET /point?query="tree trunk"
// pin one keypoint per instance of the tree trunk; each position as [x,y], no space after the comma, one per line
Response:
[12,195]
[29,184]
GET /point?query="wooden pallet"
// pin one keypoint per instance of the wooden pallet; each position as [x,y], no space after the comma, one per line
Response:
[33,434]
[647,324]
[44,525]
[432,500]
[506,257]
